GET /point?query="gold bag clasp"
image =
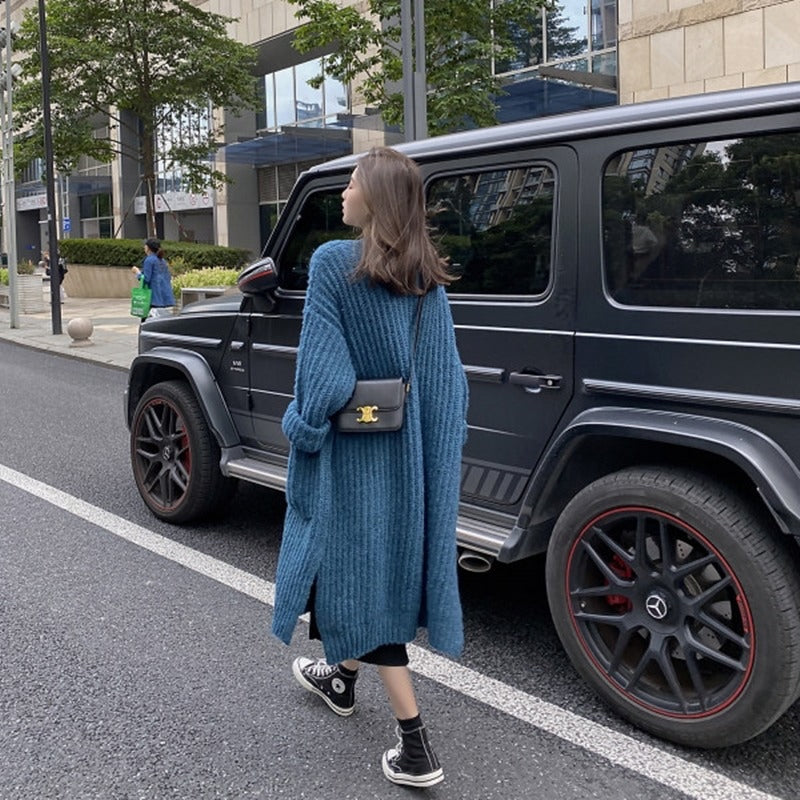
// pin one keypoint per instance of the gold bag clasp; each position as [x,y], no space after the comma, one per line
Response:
[367,414]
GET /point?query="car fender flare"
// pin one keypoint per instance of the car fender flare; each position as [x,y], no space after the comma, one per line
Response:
[763,460]
[198,374]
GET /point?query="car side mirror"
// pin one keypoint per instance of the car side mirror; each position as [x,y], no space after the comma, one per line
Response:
[258,278]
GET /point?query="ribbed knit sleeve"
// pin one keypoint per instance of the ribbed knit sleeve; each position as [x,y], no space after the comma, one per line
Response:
[324,377]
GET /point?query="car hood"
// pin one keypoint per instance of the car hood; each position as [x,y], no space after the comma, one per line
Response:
[226,303]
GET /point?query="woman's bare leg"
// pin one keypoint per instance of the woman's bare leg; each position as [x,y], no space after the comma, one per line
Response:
[397,682]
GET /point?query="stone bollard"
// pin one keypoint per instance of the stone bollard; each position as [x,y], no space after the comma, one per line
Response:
[80,329]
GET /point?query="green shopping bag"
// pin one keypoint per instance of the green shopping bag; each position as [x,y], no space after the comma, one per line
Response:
[140,300]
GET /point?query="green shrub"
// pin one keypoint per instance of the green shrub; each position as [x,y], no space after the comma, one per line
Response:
[130,252]
[26,267]
[214,276]
[178,265]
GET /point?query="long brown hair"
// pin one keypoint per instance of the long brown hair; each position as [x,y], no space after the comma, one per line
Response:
[397,250]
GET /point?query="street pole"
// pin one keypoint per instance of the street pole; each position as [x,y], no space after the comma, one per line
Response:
[52,223]
[420,73]
[415,89]
[408,70]
[9,193]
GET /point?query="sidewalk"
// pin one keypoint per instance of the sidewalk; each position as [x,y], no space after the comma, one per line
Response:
[113,340]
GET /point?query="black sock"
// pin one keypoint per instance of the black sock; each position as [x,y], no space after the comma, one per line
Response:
[408,725]
[348,673]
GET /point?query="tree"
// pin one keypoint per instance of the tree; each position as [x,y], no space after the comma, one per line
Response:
[145,66]
[463,39]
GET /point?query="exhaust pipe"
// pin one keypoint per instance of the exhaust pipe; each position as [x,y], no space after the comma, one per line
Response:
[470,561]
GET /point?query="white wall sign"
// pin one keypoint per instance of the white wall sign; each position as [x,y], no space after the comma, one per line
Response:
[175,201]
[32,202]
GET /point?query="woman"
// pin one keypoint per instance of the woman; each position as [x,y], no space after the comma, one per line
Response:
[369,540]
[155,271]
[44,264]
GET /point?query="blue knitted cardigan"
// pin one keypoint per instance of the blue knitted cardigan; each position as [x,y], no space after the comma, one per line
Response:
[372,517]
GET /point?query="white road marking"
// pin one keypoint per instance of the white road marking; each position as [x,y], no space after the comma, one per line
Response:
[646,760]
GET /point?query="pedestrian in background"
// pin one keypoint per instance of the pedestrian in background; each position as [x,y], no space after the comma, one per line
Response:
[369,542]
[62,271]
[157,278]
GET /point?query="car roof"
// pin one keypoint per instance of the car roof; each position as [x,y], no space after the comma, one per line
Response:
[585,124]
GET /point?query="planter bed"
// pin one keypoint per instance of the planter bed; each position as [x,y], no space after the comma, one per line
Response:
[91,280]
[30,294]
[195,293]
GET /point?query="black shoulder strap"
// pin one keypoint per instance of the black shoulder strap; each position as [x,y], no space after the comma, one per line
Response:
[414,343]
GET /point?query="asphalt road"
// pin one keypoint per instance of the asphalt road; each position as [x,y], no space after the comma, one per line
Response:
[136,668]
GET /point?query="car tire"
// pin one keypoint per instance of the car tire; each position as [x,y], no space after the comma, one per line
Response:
[175,457]
[679,603]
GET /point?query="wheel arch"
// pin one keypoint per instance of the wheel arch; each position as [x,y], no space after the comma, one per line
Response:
[171,363]
[604,440]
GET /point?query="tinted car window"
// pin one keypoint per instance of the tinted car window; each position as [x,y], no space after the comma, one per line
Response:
[712,224]
[319,221]
[495,227]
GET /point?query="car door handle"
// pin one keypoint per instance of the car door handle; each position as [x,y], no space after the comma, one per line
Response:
[533,381]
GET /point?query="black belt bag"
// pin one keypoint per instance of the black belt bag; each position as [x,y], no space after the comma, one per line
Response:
[377,406]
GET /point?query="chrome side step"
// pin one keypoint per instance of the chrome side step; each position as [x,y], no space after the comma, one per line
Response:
[477,535]
[255,471]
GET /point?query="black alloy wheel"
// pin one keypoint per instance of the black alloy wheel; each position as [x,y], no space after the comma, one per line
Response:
[678,604]
[174,455]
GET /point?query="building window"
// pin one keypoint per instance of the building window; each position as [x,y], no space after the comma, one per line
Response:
[289,99]
[191,127]
[91,166]
[97,220]
[577,35]
[33,171]
[275,183]
[88,166]
[603,24]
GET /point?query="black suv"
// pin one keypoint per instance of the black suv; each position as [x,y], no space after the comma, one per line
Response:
[628,316]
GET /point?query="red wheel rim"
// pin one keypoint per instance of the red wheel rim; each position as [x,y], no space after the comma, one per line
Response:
[660,613]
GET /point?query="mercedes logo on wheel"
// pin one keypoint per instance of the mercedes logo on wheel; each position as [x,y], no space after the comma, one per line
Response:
[656,605]
[166,453]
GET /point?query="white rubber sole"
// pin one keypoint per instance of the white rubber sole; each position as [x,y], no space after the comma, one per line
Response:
[404,779]
[309,687]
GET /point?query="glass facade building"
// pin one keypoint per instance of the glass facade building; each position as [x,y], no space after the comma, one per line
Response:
[564,60]
[571,55]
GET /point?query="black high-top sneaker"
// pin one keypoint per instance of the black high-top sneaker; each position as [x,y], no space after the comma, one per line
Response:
[329,682]
[412,762]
